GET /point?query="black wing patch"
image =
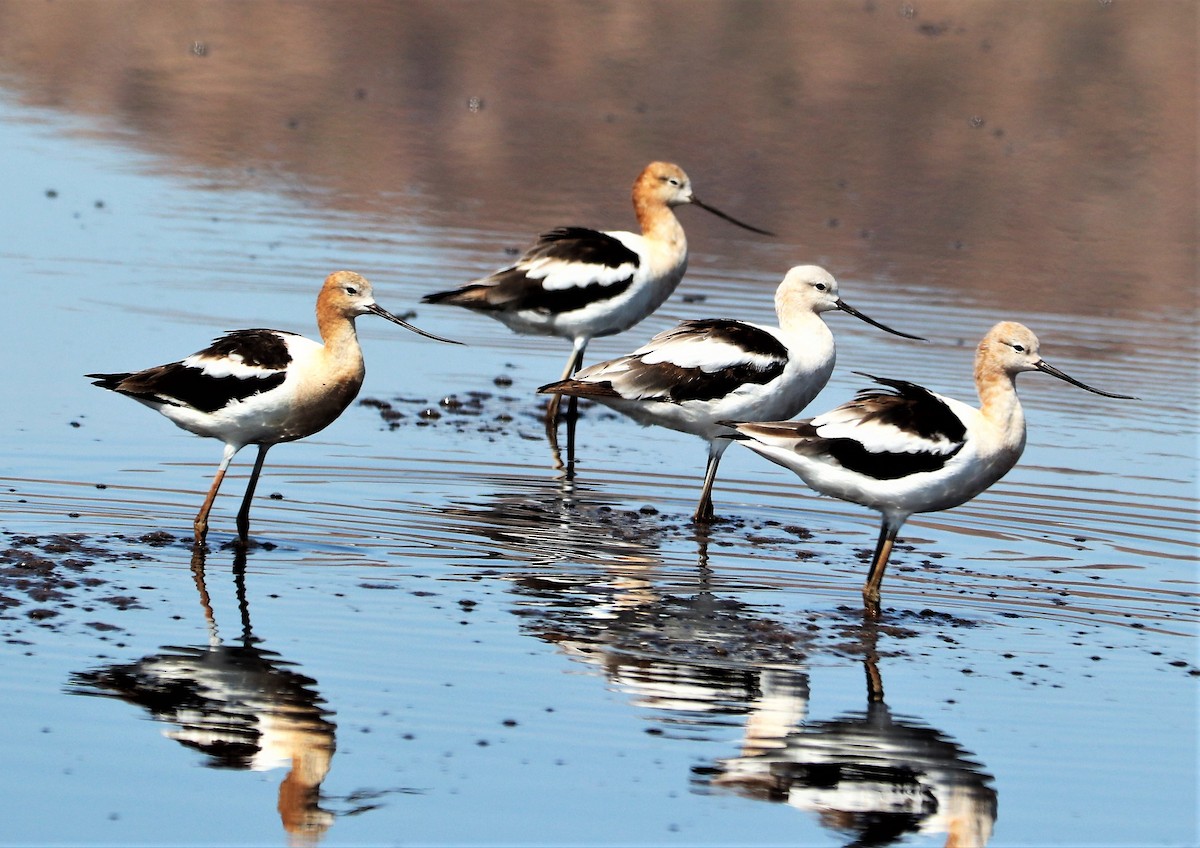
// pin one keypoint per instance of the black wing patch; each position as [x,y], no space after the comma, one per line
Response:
[910,407]
[257,348]
[885,466]
[907,407]
[683,384]
[580,244]
[184,385]
[514,290]
[754,340]
[511,289]
[179,384]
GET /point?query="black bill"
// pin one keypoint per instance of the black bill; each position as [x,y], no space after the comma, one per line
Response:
[845,307]
[729,218]
[376,309]
[1054,372]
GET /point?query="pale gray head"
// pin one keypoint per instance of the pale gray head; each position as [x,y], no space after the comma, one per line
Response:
[810,288]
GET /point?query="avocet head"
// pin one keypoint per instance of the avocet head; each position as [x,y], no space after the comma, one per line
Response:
[349,294]
[666,183]
[1013,348]
[810,288]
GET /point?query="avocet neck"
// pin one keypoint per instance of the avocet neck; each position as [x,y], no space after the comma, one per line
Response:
[1000,406]
[342,357]
[658,222]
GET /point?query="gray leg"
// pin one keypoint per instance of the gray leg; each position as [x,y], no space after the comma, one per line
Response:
[573,363]
[243,517]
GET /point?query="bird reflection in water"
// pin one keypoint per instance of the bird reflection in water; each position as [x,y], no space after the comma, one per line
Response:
[241,705]
[703,665]
[871,775]
[558,523]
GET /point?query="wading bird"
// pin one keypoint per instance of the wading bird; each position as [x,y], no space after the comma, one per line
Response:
[263,387]
[579,283]
[703,372]
[904,449]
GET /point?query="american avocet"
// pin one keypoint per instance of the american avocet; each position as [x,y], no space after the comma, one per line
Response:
[703,372]
[579,283]
[262,387]
[905,449]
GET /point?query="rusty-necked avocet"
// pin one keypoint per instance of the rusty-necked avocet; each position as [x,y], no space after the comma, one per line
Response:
[579,283]
[703,372]
[904,449]
[263,387]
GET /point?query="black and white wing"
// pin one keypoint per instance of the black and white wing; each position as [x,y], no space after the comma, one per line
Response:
[885,434]
[700,360]
[234,367]
[567,269]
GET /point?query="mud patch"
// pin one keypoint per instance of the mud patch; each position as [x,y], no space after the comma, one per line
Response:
[48,581]
[474,411]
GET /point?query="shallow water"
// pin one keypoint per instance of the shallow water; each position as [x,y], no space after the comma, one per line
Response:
[438,637]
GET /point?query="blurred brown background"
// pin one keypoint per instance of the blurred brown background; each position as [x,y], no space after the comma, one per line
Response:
[1036,150]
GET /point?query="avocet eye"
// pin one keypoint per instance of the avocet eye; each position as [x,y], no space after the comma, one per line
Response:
[820,287]
[1019,348]
[352,291]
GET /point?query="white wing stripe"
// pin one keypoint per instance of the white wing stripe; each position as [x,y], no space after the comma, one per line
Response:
[227,366]
[706,353]
[556,275]
[878,437]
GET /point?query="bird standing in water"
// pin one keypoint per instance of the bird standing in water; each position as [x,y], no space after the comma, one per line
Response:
[703,372]
[263,387]
[579,283]
[904,449]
